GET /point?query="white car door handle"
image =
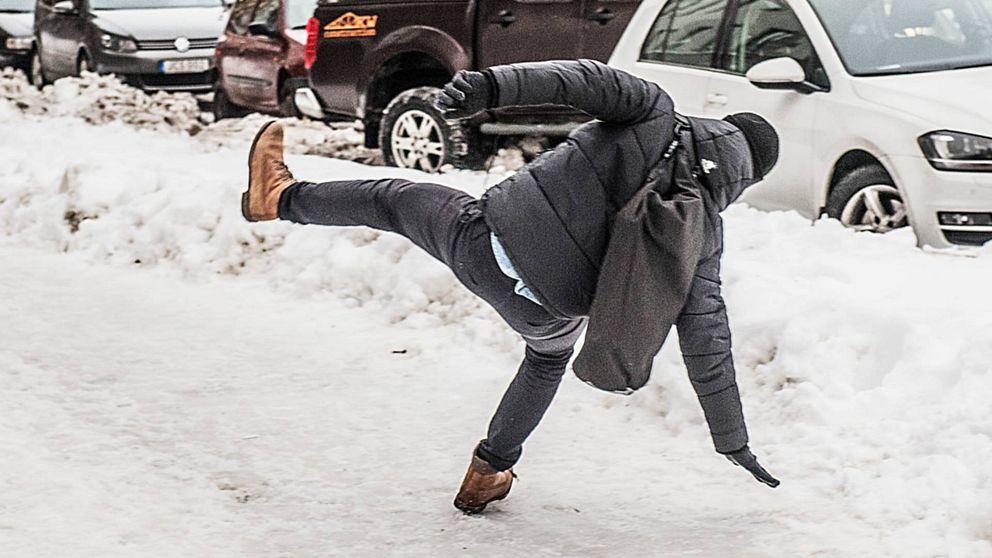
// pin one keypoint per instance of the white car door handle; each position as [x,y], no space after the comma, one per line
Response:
[716,99]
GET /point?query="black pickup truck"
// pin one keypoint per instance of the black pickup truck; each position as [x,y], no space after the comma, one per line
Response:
[383,61]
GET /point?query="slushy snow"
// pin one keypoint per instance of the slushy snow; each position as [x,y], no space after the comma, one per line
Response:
[178,382]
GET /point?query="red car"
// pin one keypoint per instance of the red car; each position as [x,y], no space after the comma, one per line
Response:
[260,57]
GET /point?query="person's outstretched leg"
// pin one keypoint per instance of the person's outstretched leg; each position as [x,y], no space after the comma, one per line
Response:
[427,214]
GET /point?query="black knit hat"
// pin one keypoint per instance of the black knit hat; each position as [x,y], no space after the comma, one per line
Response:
[761,138]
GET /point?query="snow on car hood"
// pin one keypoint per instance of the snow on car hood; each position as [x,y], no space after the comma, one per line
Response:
[160,24]
[298,35]
[16,25]
[947,100]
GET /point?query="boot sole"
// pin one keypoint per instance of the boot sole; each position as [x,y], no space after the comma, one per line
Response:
[251,155]
[472,510]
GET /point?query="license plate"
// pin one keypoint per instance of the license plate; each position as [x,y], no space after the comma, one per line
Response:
[188,66]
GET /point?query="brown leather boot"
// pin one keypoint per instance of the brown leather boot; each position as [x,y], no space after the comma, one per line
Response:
[483,484]
[268,175]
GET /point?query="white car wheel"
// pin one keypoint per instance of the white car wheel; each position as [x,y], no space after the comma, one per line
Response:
[876,208]
[866,200]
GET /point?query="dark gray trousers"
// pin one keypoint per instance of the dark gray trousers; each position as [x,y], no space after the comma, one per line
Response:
[448,224]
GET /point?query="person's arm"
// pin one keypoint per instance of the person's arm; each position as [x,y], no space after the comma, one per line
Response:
[704,336]
[603,92]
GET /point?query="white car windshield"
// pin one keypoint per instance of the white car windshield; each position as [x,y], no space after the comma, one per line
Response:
[151,4]
[880,37]
[298,12]
[16,6]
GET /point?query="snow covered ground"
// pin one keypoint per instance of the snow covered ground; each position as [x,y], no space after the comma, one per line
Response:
[177,382]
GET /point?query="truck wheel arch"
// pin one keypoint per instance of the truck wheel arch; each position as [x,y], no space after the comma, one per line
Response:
[402,72]
[427,41]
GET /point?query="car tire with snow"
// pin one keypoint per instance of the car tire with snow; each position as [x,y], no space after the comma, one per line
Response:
[83,64]
[223,107]
[414,134]
[37,76]
[287,97]
[867,199]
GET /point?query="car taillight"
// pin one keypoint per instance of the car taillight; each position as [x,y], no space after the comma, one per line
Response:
[310,53]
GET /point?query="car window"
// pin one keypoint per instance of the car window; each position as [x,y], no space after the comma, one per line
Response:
[22,6]
[685,33]
[905,36]
[298,12]
[241,16]
[766,29]
[267,12]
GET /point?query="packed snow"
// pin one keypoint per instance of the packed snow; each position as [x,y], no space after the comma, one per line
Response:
[178,382]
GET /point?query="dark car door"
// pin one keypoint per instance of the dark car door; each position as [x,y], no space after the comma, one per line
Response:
[62,33]
[231,61]
[602,24]
[511,31]
[50,34]
[263,56]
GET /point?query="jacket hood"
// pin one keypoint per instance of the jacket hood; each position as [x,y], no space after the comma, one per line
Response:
[724,161]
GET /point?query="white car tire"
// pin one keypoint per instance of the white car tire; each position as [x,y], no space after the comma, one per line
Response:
[867,199]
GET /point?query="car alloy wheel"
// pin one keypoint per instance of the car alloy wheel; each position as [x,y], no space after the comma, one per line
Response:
[875,208]
[414,134]
[416,142]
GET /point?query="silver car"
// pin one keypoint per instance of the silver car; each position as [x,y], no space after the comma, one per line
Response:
[151,44]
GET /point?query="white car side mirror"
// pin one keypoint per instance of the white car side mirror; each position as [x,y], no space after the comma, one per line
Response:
[780,73]
[65,7]
[776,71]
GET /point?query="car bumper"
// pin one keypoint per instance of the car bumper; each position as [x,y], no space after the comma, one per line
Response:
[308,104]
[143,69]
[15,58]
[930,192]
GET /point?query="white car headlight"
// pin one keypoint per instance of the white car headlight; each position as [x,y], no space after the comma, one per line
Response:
[957,151]
[117,44]
[19,43]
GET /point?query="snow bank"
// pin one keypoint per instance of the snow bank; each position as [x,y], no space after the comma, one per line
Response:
[863,361]
[100,100]
[140,198]
[866,367]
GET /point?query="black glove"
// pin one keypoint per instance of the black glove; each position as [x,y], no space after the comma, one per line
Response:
[468,93]
[744,458]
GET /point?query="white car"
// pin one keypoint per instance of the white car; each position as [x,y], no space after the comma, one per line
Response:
[884,107]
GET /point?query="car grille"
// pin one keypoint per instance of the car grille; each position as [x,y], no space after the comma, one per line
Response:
[968,238]
[170,44]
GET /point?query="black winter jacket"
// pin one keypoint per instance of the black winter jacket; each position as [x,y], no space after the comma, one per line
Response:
[556,218]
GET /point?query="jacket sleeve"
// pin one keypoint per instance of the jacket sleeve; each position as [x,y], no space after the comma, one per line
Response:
[603,92]
[704,335]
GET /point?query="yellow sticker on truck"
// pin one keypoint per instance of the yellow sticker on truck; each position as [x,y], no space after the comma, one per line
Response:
[351,25]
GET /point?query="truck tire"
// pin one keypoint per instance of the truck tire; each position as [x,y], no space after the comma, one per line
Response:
[413,134]
[867,199]
[287,97]
[223,107]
